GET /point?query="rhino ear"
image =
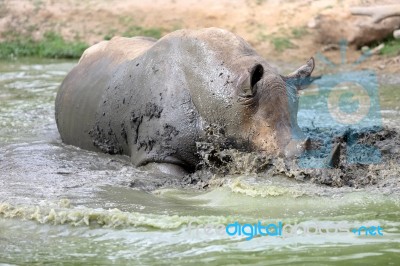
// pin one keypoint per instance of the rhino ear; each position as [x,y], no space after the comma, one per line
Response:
[301,78]
[256,74]
[250,80]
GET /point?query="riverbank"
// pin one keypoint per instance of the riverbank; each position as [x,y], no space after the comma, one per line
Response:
[276,29]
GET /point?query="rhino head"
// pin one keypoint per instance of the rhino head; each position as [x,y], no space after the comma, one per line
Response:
[270,106]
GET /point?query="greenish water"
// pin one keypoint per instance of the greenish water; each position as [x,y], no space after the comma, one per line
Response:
[63,205]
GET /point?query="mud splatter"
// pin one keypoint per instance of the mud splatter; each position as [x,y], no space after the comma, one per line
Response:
[135,122]
[169,132]
[105,141]
[146,143]
[383,173]
[153,110]
[124,135]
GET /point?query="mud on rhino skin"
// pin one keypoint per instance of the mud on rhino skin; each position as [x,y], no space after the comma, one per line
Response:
[154,100]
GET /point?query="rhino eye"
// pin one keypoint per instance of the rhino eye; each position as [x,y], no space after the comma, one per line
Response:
[256,74]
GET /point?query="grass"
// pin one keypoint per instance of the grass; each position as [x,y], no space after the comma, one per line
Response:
[281,43]
[52,45]
[260,2]
[136,31]
[392,47]
[140,31]
[299,32]
[282,40]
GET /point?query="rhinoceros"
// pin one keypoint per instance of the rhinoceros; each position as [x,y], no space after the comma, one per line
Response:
[153,100]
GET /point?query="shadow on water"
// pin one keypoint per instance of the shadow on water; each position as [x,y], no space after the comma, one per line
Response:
[62,204]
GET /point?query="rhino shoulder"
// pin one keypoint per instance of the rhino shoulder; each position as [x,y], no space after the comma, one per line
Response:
[118,48]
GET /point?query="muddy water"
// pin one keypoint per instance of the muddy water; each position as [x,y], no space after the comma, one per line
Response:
[62,204]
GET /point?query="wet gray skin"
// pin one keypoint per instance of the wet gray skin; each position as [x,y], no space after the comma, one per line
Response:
[153,100]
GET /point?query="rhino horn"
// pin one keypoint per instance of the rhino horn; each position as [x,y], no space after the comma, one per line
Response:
[301,78]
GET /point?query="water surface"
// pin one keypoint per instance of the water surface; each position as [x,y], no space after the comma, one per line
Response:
[61,204]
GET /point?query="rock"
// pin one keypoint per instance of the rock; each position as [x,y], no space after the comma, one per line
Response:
[357,31]
[365,49]
[396,34]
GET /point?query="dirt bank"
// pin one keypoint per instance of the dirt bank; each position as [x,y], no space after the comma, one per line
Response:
[276,28]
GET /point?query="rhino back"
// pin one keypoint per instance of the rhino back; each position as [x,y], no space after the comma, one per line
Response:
[147,112]
[80,93]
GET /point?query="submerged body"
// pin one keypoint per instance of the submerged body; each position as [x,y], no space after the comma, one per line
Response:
[153,100]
